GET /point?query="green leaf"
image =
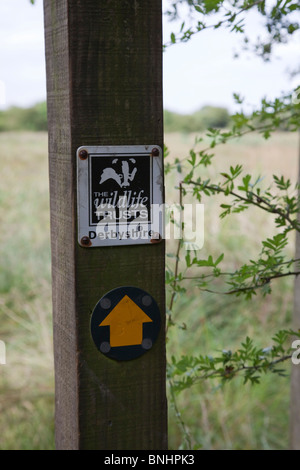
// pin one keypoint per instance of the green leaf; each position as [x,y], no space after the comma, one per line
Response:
[237,98]
[235,171]
[198,8]
[193,157]
[246,181]
[268,245]
[219,259]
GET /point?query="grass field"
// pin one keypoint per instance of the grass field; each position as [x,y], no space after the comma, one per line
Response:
[26,381]
[237,417]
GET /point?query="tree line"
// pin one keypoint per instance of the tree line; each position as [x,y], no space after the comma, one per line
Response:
[33,118]
[205,118]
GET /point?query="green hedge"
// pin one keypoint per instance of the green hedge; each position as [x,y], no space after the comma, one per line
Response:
[208,116]
[27,119]
[35,119]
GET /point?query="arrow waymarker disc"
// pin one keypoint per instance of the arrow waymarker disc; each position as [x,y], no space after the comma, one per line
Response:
[125,323]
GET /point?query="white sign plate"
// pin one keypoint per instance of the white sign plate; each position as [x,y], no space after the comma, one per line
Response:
[119,195]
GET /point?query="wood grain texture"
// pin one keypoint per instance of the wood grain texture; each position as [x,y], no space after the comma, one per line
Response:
[104,86]
[295,377]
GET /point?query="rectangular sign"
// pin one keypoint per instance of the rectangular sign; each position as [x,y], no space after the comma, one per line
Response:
[119,195]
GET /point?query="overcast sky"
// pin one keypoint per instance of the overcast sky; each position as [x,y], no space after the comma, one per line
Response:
[195,74]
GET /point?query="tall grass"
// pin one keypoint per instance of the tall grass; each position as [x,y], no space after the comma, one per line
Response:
[26,381]
[237,417]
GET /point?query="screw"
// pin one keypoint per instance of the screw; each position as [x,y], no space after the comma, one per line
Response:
[147,344]
[146,300]
[155,152]
[105,347]
[83,154]
[85,241]
[105,303]
[156,238]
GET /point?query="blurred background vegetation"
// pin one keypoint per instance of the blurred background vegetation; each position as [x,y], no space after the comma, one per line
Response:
[206,117]
[234,417]
[35,119]
[24,119]
[26,381]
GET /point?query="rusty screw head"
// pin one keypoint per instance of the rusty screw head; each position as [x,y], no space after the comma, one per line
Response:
[156,238]
[85,241]
[83,154]
[155,152]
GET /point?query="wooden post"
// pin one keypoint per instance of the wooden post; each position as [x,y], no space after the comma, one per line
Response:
[104,88]
[295,378]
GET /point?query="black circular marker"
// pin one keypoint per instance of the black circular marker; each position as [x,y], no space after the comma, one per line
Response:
[125,323]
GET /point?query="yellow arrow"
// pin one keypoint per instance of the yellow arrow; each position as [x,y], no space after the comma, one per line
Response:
[126,323]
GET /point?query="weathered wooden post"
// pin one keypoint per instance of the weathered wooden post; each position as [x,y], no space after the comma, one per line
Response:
[295,377]
[104,86]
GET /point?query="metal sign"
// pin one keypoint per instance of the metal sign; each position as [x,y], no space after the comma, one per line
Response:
[125,323]
[119,195]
